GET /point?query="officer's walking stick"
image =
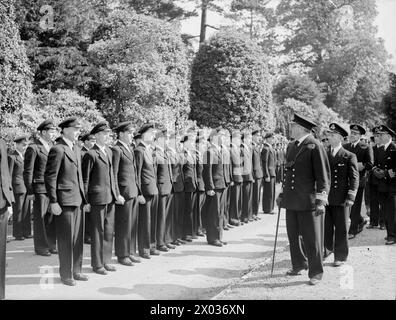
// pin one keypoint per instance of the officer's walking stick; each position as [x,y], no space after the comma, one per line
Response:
[276,238]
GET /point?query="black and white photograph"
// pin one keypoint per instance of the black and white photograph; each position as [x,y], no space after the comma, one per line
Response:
[197,155]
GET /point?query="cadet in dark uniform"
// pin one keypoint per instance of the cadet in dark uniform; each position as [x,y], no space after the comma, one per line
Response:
[257,172]
[344,185]
[226,156]
[213,175]
[236,188]
[99,186]
[22,226]
[65,188]
[126,182]
[36,154]
[88,141]
[305,189]
[201,142]
[6,200]
[365,158]
[385,171]
[247,175]
[268,160]
[147,172]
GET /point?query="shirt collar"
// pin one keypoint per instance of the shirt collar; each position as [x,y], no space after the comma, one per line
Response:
[336,149]
[302,139]
[386,145]
[355,144]
[44,143]
[20,154]
[124,144]
[68,142]
[103,149]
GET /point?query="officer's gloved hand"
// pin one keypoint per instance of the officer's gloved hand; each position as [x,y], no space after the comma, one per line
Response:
[320,209]
[279,200]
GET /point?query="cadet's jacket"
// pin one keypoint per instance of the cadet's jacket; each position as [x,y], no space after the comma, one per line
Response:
[164,172]
[236,162]
[34,167]
[213,170]
[226,159]
[364,154]
[199,167]
[189,172]
[344,177]
[83,151]
[257,163]
[146,169]
[177,170]
[6,193]
[247,162]
[125,176]
[268,159]
[15,163]
[387,161]
[307,176]
[98,176]
[63,176]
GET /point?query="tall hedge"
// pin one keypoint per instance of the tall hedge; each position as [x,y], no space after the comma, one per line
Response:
[230,83]
[141,69]
[15,85]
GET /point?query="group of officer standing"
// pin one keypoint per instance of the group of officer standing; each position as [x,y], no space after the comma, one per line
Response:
[148,192]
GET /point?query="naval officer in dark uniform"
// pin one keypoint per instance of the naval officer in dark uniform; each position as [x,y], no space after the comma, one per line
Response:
[6,200]
[344,185]
[304,195]
[65,188]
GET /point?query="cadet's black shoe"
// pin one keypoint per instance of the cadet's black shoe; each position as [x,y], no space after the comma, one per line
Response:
[68,282]
[269,212]
[28,236]
[45,253]
[390,241]
[19,238]
[154,252]
[382,227]
[188,239]
[370,226]
[87,240]
[200,234]
[145,256]
[230,226]
[170,246]
[338,263]
[226,228]
[163,248]
[351,236]
[100,270]
[176,243]
[125,261]
[134,259]
[80,277]
[224,243]
[314,281]
[216,243]
[110,267]
[53,251]
[181,241]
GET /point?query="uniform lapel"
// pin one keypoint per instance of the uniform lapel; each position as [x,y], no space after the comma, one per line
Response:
[128,153]
[70,153]
[100,153]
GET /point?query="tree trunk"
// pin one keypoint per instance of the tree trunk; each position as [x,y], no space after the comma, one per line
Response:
[203,22]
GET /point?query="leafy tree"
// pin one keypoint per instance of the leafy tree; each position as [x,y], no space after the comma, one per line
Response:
[230,83]
[389,102]
[141,70]
[15,85]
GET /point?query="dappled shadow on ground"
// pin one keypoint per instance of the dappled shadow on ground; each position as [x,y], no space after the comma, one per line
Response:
[219,273]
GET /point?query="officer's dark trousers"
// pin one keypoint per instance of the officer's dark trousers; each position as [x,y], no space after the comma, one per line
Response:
[125,228]
[179,214]
[376,213]
[21,224]
[388,205]
[214,216]
[3,242]
[247,198]
[356,216]
[44,232]
[200,200]
[164,207]
[70,237]
[189,202]
[170,214]
[102,232]
[336,232]
[256,191]
[310,250]
[87,223]
[147,216]
[269,195]
[236,201]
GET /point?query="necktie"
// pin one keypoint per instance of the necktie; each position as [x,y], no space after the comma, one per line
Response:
[296,143]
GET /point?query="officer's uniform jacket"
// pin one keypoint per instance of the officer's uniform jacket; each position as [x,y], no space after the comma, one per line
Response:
[6,192]
[15,164]
[125,176]
[213,170]
[344,177]
[146,169]
[307,176]
[164,172]
[387,161]
[236,162]
[268,159]
[63,175]
[364,154]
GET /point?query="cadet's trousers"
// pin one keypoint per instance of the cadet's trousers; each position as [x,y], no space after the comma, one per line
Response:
[44,230]
[146,230]
[336,232]
[3,242]
[256,191]
[163,211]
[247,198]
[170,216]
[269,195]
[188,224]
[226,206]
[310,249]
[200,200]
[178,221]
[21,224]
[70,237]
[236,201]
[214,216]
[102,232]
[388,205]
[356,216]
[125,228]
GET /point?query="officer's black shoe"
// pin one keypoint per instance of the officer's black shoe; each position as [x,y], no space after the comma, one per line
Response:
[170,246]
[295,272]
[145,256]
[45,253]
[80,277]
[154,252]
[390,241]
[216,243]
[125,261]
[68,282]
[163,248]
[110,267]
[19,238]
[100,270]
[134,259]
[53,251]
